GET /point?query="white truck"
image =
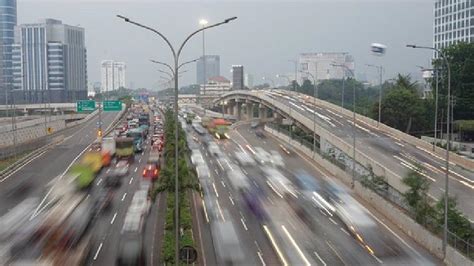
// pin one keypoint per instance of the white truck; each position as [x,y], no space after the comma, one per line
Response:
[108,145]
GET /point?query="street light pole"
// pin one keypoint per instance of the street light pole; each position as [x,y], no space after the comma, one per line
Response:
[448,132]
[176,55]
[203,23]
[380,70]
[353,123]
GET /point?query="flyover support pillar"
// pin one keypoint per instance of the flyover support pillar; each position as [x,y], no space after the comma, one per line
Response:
[262,112]
[249,110]
[238,109]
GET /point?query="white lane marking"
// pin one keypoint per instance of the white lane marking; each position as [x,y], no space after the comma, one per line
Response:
[215,190]
[334,222]
[108,170]
[261,258]
[97,252]
[243,224]
[131,180]
[140,160]
[205,211]
[434,155]
[335,252]
[322,261]
[399,144]
[23,165]
[143,151]
[124,195]
[223,184]
[113,218]
[60,177]
[215,170]
[275,246]
[100,181]
[295,245]
[220,210]
[345,231]
[136,168]
[231,200]
[245,172]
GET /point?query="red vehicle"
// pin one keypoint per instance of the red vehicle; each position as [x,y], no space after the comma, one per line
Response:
[150,172]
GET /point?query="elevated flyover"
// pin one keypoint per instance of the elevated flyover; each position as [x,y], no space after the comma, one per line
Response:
[386,151]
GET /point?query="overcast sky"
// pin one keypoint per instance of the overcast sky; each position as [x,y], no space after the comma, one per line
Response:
[264,37]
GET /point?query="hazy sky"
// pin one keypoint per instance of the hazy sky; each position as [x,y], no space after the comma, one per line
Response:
[264,37]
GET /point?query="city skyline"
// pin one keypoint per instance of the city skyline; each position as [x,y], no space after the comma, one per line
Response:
[256,51]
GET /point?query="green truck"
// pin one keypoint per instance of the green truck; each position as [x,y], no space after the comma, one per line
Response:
[124,148]
[83,175]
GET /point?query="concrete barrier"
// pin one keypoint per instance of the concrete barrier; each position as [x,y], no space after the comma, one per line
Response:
[396,215]
[34,129]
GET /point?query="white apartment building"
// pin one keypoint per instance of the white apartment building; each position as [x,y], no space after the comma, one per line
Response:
[215,86]
[453,22]
[112,75]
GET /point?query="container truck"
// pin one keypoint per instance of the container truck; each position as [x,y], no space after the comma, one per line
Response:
[138,136]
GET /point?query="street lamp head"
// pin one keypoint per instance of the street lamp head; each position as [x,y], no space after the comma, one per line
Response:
[230,19]
[203,22]
[124,18]
[411,46]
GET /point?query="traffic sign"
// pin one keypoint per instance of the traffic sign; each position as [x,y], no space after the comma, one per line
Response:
[110,106]
[85,106]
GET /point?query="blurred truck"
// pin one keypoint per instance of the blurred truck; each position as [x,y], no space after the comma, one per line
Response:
[138,136]
[82,174]
[93,160]
[124,148]
[108,150]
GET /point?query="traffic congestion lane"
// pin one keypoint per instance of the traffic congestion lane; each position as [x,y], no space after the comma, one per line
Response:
[402,248]
[109,226]
[301,242]
[30,180]
[394,153]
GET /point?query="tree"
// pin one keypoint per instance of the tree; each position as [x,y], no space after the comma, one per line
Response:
[457,223]
[461,59]
[416,196]
[401,106]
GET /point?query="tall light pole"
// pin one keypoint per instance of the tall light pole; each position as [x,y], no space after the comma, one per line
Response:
[380,70]
[176,55]
[353,122]
[448,132]
[315,95]
[436,72]
[203,24]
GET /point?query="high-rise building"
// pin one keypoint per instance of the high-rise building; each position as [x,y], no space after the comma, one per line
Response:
[237,77]
[213,68]
[49,62]
[248,80]
[113,75]
[320,65]
[453,22]
[8,20]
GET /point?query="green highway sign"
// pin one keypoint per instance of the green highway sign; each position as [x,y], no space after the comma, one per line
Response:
[85,106]
[110,106]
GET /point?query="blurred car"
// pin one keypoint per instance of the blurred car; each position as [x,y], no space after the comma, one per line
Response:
[141,203]
[112,180]
[279,183]
[253,202]
[237,178]
[227,243]
[203,171]
[262,156]
[121,168]
[131,250]
[196,157]
[254,124]
[214,149]
[103,200]
[259,133]
[244,158]
[276,158]
[150,172]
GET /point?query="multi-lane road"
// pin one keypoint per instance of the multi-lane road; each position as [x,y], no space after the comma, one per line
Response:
[392,152]
[34,177]
[283,238]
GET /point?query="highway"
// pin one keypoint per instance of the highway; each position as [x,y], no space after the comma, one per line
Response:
[34,177]
[393,153]
[283,237]
[108,226]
